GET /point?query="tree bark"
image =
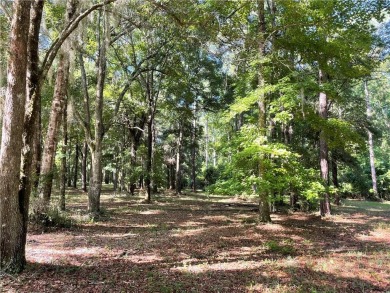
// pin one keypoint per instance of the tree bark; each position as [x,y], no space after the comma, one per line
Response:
[324,159]
[63,170]
[95,182]
[13,205]
[148,176]
[76,165]
[178,176]
[264,209]
[371,142]
[50,145]
[193,152]
[84,167]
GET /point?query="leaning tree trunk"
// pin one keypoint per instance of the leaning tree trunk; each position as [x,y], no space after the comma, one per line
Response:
[13,207]
[324,160]
[371,142]
[264,210]
[50,145]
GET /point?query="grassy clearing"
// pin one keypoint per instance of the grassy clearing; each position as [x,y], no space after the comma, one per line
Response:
[200,243]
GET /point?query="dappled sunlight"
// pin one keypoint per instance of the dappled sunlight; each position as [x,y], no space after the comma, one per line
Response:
[151,212]
[188,232]
[205,267]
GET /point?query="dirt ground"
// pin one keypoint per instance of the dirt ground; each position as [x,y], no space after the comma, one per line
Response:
[196,243]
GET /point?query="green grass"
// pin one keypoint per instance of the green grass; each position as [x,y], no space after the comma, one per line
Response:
[363,205]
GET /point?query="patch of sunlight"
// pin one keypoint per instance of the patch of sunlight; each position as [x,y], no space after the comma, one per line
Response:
[273,288]
[221,266]
[186,233]
[215,218]
[145,258]
[151,212]
[192,224]
[118,235]
[48,255]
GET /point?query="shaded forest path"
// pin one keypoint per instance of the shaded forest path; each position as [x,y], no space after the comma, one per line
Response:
[196,243]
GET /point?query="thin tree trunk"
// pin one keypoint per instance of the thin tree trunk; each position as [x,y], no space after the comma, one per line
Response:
[76,165]
[63,159]
[371,142]
[207,142]
[178,182]
[193,153]
[324,160]
[13,208]
[148,195]
[84,167]
[335,178]
[264,209]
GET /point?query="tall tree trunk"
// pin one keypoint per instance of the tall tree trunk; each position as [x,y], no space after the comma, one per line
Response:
[148,176]
[84,167]
[264,209]
[63,172]
[13,205]
[207,142]
[371,142]
[193,152]
[324,159]
[95,182]
[57,107]
[178,176]
[50,145]
[76,165]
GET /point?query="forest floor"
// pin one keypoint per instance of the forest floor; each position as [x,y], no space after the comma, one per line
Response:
[200,243]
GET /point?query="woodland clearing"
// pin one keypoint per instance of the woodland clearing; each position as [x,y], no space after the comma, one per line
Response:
[201,243]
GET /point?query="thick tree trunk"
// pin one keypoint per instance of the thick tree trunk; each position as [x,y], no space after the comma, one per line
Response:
[371,142]
[57,107]
[95,182]
[63,159]
[324,160]
[13,208]
[264,209]
[50,145]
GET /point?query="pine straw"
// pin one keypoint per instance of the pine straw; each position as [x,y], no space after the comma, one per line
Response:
[200,244]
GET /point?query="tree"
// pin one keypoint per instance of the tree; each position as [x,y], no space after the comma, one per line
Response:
[13,208]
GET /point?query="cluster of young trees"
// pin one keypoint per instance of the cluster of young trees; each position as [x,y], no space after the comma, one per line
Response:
[264,96]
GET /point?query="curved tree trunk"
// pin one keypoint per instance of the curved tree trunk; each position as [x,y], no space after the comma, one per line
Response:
[13,208]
